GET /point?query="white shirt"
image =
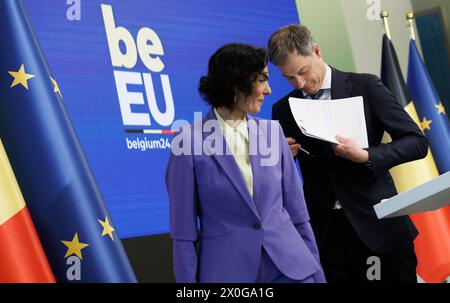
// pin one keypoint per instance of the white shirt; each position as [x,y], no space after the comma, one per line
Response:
[326,95]
[237,140]
[326,86]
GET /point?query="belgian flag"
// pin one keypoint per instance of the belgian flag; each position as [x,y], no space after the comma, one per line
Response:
[22,258]
[432,246]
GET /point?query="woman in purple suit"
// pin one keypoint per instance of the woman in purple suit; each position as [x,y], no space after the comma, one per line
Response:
[237,211]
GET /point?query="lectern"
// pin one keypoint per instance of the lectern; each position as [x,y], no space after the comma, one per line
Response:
[429,196]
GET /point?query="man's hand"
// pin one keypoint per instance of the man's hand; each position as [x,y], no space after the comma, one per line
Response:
[293,146]
[350,150]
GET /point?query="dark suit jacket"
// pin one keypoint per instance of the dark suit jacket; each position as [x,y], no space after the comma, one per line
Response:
[358,187]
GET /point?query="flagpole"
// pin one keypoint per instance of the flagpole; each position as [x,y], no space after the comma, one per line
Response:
[410,19]
[384,15]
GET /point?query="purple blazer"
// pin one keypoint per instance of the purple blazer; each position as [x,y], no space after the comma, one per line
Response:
[219,229]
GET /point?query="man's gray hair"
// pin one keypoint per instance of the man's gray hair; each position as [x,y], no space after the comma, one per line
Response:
[293,38]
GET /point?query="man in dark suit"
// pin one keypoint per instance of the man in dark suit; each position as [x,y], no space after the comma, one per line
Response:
[343,181]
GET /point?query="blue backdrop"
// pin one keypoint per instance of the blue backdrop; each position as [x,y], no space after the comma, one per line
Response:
[131,179]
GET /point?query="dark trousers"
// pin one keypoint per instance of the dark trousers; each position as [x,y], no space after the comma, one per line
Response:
[268,272]
[345,257]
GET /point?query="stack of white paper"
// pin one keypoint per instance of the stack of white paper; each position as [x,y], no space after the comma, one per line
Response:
[324,119]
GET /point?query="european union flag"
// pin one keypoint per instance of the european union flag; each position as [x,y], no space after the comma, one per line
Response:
[432,113]
[432,246]
[53,173]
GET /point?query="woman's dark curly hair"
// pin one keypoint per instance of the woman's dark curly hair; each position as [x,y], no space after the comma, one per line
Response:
[233,67]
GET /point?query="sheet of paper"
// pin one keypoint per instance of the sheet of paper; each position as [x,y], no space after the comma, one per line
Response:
[324,119]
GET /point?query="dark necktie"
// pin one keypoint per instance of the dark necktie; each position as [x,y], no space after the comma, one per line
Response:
[317,95]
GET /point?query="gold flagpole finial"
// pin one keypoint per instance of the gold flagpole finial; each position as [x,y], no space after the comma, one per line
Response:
[384,14]
[410,17]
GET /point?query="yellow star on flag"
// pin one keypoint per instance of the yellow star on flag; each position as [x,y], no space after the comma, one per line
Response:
[56,87]
[107,228]
[425,124]
[20,77]
[74,247]
[441,108]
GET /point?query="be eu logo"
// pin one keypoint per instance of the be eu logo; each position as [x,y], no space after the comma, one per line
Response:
[149,49]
